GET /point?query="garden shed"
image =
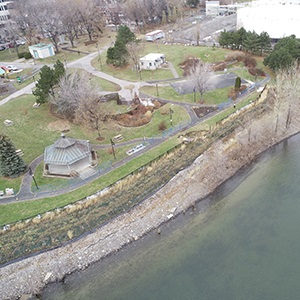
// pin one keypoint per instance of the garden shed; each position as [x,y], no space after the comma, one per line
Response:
[41,50]
[68,157]
[152,61]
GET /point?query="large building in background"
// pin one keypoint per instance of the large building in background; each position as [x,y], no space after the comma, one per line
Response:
[4,11]
[278,18]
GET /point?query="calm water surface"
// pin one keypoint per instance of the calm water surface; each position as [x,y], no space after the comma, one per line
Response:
[245,245]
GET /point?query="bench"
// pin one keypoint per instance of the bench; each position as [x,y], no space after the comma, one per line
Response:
[118,138]
[19,152]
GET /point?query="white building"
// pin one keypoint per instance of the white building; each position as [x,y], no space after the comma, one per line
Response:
[41,50]
[212,8]
[277,17]
[152,61]
[4,11]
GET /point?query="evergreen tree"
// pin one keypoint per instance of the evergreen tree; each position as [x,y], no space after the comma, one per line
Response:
[44,84]
[238,83]
[58,71]
[285,52]
[125,35]
[11,164]
[48,79]
[118,54]
[264,43]
[251,42]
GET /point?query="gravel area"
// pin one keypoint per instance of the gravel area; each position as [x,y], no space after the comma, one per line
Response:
[219,163]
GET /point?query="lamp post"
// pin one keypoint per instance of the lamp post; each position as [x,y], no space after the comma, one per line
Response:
[99,57]
[171,115]
[113,148]
[157,90]
[194,94]
[31,173]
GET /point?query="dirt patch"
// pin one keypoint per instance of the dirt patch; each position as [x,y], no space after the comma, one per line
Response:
[204,110]
[60,125]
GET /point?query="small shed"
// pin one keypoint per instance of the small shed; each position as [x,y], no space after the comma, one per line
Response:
[152,61]
[68,157]
[41,50]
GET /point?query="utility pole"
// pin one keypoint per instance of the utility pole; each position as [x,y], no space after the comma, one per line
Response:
[99,57]
[113,148]
[171,116]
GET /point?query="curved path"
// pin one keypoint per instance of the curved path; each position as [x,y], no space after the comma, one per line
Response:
[25,193]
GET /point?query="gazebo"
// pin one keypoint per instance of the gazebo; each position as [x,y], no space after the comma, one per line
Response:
[68,157]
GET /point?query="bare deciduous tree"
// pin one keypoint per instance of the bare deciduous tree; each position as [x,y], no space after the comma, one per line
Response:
[200,73]
[135,49]
[72,89]
[91,114]
[48,20]
[89,17]
[24,16]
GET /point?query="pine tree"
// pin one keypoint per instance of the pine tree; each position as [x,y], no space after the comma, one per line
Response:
[48,79]
[238,82]
[118,54]
[11,164]
[58,71]
[44,84]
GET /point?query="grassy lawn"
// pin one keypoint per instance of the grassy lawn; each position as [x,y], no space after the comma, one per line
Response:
[11,54]
[13,212]
[176,54]
[102,84]
[167,92]
[34,129]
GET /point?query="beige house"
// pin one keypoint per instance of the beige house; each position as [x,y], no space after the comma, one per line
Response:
[68,157]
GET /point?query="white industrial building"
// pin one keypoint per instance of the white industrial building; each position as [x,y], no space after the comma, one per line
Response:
[278,18]
[41,50]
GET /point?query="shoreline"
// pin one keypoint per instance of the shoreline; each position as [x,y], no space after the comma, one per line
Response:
[221,161]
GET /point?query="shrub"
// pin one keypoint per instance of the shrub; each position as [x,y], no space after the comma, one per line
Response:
[21,54]
[235,56]
[256,72]
[164,110]
[27,55]
[250,62]
[162,126]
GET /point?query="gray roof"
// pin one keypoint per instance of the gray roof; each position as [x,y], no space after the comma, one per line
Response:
[66,151]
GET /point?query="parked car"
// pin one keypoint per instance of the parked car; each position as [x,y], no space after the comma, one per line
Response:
[20,42]
[2,47]
[12,68]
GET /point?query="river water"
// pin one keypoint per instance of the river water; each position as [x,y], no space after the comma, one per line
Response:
[241,243]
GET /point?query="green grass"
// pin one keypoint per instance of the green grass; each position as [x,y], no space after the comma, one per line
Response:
[10,213]
[102,84]
[167,92]
[34,129]
[11,54]
[176,54]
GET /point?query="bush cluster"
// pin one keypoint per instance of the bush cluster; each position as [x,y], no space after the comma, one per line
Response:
[26,55]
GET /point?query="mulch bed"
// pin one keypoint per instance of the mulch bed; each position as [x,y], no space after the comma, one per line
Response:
[204,110]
